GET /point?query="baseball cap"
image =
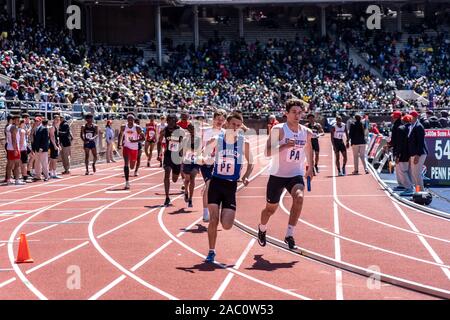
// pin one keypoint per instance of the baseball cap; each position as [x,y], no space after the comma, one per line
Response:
[396,114]
[414,113]
[38,119]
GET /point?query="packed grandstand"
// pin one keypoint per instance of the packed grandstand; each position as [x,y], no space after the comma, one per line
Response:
[43,67]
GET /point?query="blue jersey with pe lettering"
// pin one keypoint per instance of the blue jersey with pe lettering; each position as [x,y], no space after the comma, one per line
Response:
[228,158]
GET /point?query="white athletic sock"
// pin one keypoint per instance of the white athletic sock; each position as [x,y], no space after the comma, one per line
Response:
[262,227]
[205,211]
[290,231]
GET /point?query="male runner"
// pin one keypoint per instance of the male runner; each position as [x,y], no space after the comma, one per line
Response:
[192,150]
[23,145]
[89,133]
[151,136]
[289,145]
[231,146]
[183,124]
[54,147]
[337,139]
[161,126]
[173,135]
[13,150]
[138,162]
[206,169]
[317,131]
[130,135]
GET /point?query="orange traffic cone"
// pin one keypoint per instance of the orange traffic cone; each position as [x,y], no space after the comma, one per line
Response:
[23,256]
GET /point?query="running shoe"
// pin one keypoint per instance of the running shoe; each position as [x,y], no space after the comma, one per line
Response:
[136,174]
[45,179]
[205,216]
[190,203]
[148,163]
[343,171]
[19,183]
[87,173]
[211,256]
[167,202]
[127,185]
[317,168]
[340,173]
[93,167]
[261,238]
[406,193]
[56,177]
[186,197]
[290,242]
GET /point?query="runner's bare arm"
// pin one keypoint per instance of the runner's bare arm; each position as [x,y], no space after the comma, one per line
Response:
[250,163]
[14,141]
[119,141]
[52,137]
[82,133]
[273,142]
[159,144]
[95,133]
[309,155]
[22,139]
[208,150]
[321,132]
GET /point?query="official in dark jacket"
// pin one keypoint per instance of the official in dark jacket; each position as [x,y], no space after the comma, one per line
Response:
[40,147]
[417,149]
[401,156]
[65,138]
[357,139]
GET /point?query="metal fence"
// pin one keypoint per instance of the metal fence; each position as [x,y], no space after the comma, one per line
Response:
[103,112]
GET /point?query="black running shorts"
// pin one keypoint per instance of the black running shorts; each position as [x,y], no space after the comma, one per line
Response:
[315,144]
[275,187]
[339,145]
[24,156]
[54,153]
[222,192]
[168,163]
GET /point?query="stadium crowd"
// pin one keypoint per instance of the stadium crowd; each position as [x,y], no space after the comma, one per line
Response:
[52,70]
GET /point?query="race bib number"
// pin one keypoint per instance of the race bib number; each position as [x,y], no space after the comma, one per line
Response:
[190,157]
[89,135]
[293,155]
[225,166]
[174,146]
[339,135]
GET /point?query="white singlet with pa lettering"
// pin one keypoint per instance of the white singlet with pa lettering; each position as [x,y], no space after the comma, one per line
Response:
[130,133]
[339,132]
[290,162]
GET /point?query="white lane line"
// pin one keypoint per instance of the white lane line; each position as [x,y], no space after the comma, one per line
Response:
[337,243]
[151,256]
[425,243]
[56,257]
[246,276]
[107,288]
[3,284]
[230,276]
[17,270]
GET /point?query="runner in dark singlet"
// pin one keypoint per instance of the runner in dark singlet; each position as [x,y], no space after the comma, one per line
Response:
[192,150]
[173,135]
[89,133]
[317,131]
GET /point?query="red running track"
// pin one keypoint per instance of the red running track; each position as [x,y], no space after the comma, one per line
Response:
[92,240]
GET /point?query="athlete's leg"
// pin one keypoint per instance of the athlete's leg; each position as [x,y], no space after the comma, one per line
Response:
[227,218]
[344,160]
[138,162]
[267,212]
[213,223]
[146,150]
[167,170]
[337,161]
[152,147]
[316,160]
[194,173]
[126,168]
[297,204]
[94,160]
[86,159]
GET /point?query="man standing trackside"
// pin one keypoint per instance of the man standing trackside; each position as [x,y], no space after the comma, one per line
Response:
[65,139]
[417,149]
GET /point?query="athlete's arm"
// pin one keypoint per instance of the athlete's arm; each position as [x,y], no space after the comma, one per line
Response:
[208,150]
[119,141]
[141,135]
[52,137]
[22,139]
[276,135]
[82,133]
[347,137]
[250,164]
[158,145]
[95,133]
[331,136]
[320,129]
[309,155]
